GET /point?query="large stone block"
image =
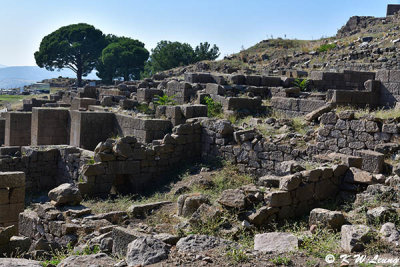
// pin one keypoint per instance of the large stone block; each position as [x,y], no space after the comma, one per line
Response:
[372,161]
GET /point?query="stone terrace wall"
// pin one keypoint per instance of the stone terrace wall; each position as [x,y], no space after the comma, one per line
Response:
[299,193]
[295,107]
[249,150]
[390,88]
[343,133]
[44,167]
[346,80]
[12,197]
[129,166]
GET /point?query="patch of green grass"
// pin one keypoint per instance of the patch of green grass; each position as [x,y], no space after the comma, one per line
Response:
[326,47]
[12,98]
[120,203]
[300,125]
[59,255]
[237,255]
[228,177]
[144,108]
[280,260]
[321,243]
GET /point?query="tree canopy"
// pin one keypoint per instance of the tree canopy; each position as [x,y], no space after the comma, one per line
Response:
[76,47]
[204,52]
[122,57]
[167,55]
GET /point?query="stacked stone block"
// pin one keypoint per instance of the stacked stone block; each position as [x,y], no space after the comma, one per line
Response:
[18,129]
[12,197]
[390,88]
[50,126]
[346,80]
[295,107]
[130,166]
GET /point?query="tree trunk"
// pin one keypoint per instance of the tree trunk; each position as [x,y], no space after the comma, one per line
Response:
[79,77]
[79,71]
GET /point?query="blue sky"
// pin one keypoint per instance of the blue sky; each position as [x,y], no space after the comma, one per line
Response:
[229,24]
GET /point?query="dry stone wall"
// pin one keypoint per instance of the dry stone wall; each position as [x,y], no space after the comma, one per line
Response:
[130,166]
[343,133]
[12,197]
[44,167]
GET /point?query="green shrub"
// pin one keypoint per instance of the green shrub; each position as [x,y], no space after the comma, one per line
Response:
[214,109]
[165,100]
[144,108]
[303,84]
[326,47]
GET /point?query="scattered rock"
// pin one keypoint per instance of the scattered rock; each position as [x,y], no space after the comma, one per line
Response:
[188,204]
[95,260]
[198,243]
[327,218]
[145,251]
[9,262]
[65,194]
[390,233]
[276,242]
[380,215]
[233,198]
[355,237]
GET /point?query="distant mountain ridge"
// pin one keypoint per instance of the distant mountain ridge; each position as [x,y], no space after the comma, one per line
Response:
[18,76]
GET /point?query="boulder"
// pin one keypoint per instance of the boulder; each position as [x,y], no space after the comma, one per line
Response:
[288,167]
[65,194]
[355,237]
[390,234]
[95,260]
[327,218]
[355,175]
[146,250]
[372,161]
[263,216]
[380,215]
[276,242]
[205,213]
[122,237]
[188,204]
[233,198]
[6,233]
[168,238]
[290,182]
[8,262]
[200,243]
[142,209]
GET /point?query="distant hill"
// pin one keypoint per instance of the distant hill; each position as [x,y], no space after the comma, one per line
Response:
[12,77]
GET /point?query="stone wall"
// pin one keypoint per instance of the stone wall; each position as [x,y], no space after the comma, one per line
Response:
[18,129]
[297,194]
[346,80]
[392,10]
[390,88]
[344,133]
[44,167]
[12,197]
[252,152]
[90,128]
[295,107]
[129,166]
[145,130]
[50,126]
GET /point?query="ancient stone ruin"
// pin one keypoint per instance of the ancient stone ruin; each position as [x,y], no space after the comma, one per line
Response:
[328,150]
